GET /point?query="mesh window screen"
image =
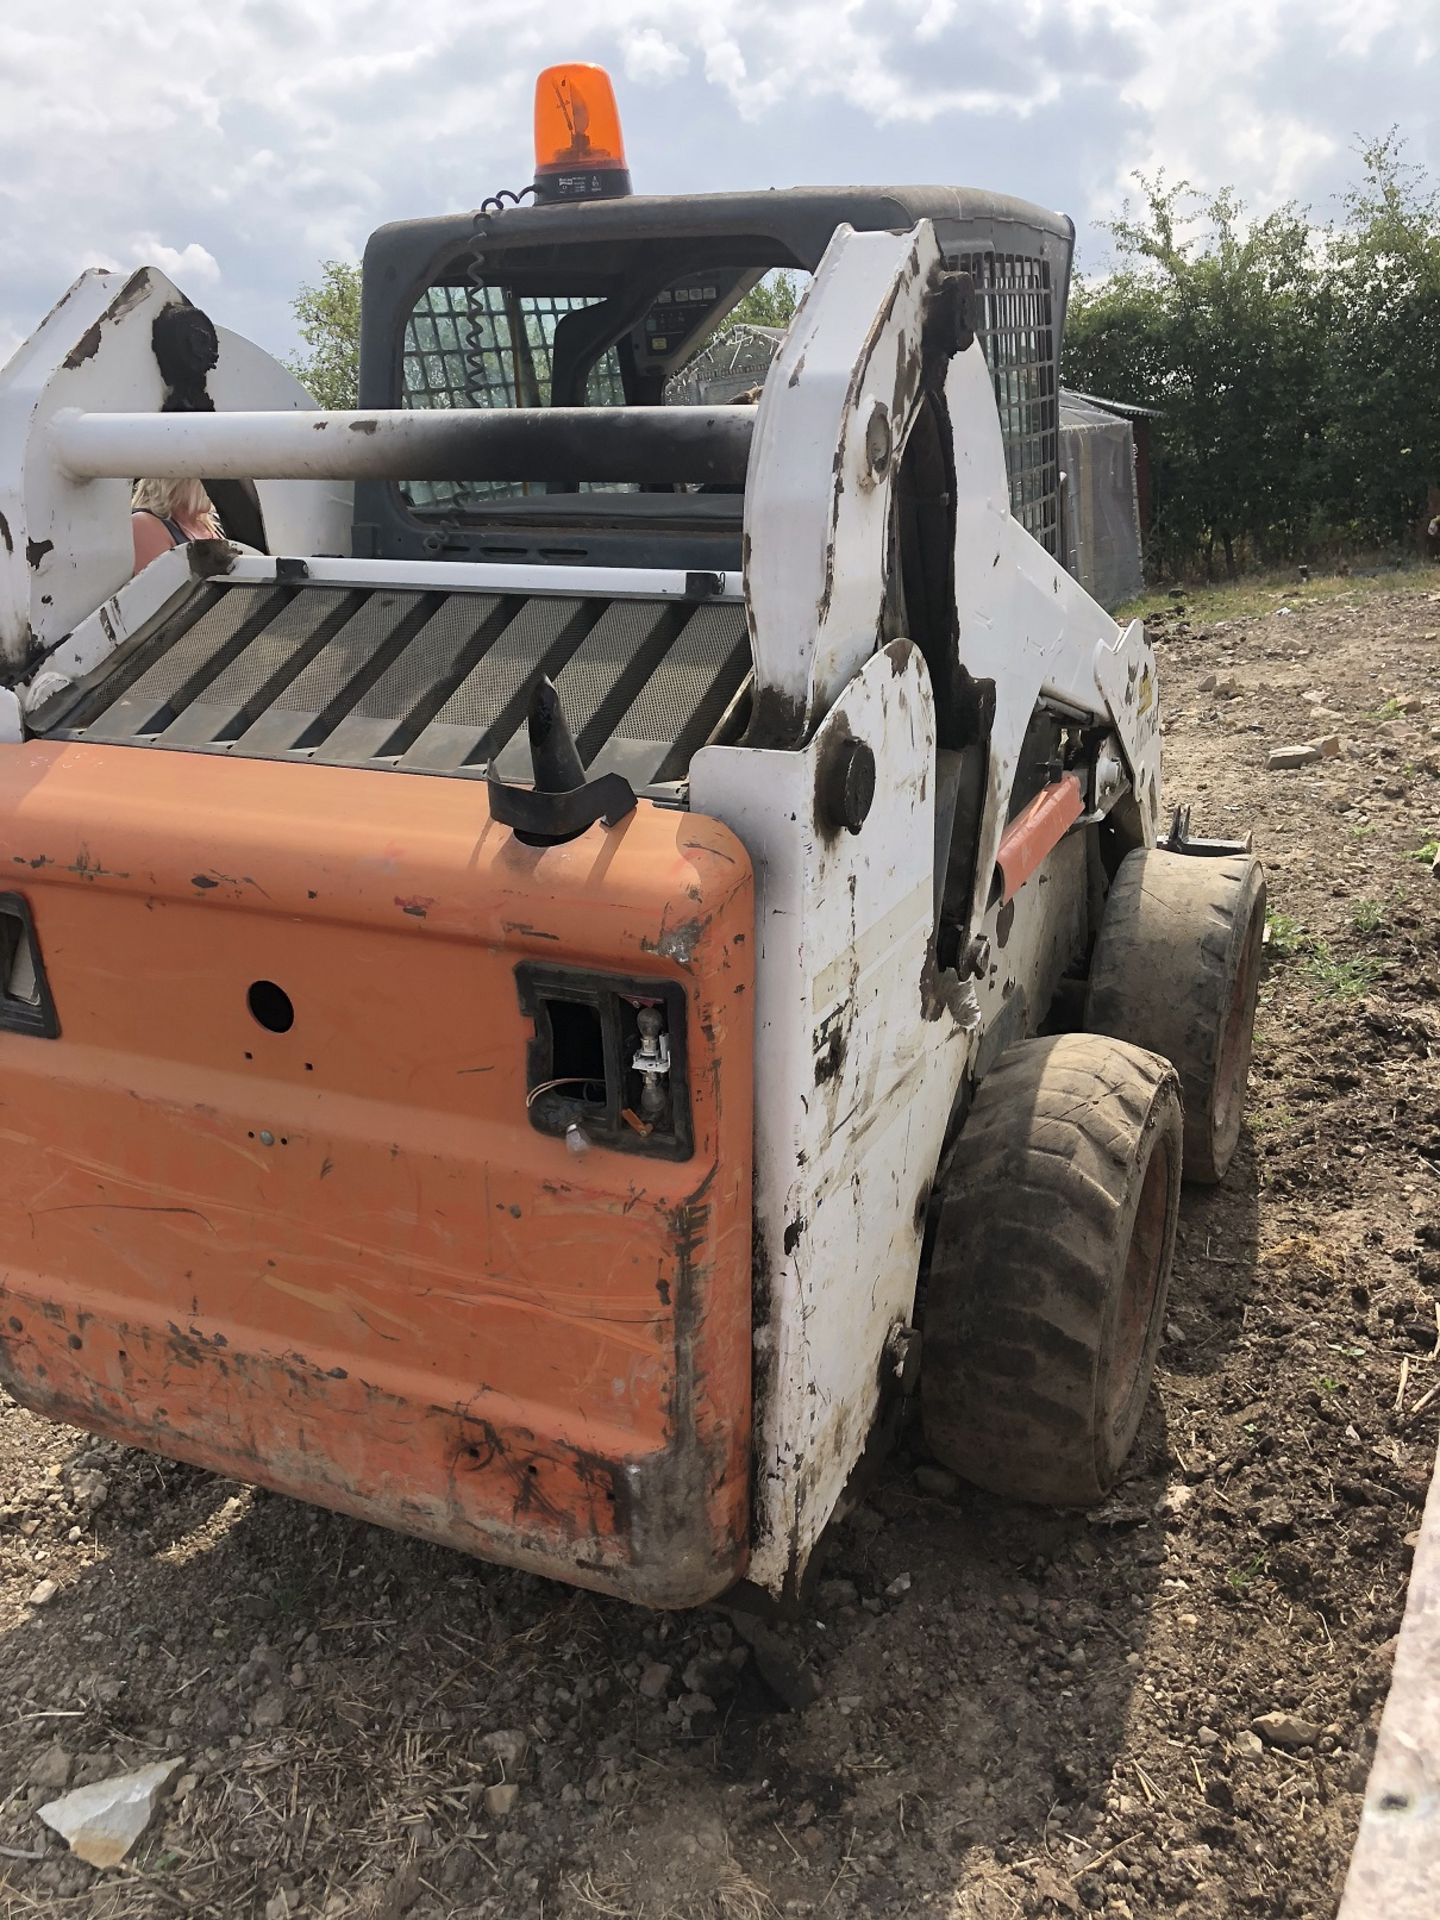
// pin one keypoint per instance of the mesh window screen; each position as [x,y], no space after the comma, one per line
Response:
[484,346]
[1016,327]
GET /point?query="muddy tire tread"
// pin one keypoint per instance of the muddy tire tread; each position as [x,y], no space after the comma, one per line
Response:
[1033,1198]
[1164,974]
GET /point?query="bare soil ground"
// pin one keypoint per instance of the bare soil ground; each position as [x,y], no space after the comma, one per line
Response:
[1019,1713]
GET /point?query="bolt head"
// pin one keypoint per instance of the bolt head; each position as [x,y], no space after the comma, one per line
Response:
[849,787]
[879,441]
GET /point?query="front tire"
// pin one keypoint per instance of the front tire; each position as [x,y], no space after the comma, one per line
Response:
[1176,969]
[1049,1268]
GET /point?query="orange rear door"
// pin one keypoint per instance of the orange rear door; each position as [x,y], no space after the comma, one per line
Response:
[272,1197]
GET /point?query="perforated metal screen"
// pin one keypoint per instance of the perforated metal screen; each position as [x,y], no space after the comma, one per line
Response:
[1017,332]
[420,680]
[483,345]
[479,345]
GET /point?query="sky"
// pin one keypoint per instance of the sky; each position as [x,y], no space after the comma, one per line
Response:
[238,146]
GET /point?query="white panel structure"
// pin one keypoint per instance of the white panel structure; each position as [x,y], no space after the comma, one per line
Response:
[65,543]
[1032,629]
[857,1056]
[837,406]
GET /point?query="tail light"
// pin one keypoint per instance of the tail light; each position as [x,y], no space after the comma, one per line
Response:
[25,1002]
[607,1061]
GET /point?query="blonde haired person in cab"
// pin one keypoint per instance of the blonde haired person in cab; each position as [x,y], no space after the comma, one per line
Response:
[168,513]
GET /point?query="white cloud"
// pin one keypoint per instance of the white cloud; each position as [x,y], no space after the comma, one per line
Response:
[650,56]
[190,265]
[725,64]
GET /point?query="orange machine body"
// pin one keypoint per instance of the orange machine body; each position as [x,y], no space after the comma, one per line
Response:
[339,1260]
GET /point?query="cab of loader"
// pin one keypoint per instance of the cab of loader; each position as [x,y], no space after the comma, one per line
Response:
[603,301]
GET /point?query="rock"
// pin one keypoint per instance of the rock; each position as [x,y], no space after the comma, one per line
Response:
[838,1593]
[1286,1730]
[1286,759]
[713,1673]
[89,1489]
[509,1747]
[938,1482]
[398,1895]
[102,1822]
[500,1800]
[43,1593]
[655,1680]
[1208,1737]
[1249,1746]
[1327,745]
[898,1586]
[51,1768]
[269,1711]
[778,1665]
[1208,684]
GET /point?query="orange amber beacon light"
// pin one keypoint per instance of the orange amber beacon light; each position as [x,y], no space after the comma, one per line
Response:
[579,149]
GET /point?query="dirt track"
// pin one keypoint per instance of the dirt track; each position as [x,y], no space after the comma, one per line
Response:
[1020,1713]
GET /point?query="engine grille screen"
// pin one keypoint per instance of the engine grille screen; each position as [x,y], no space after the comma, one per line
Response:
[421,681]
[1016,328]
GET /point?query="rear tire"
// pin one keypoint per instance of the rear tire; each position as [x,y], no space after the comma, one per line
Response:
[1049,1268]
[1176,970]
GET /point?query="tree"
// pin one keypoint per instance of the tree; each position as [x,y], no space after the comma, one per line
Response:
[1214,321]
[329,317]
[1385,283]
[1293,365]
[770,304]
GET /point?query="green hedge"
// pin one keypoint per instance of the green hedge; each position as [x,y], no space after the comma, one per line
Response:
[1296,366]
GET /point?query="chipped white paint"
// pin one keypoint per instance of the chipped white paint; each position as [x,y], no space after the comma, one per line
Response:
[853,1083]
[119,622]
[845,925]
[1031,628]
[65,544]
[817,501]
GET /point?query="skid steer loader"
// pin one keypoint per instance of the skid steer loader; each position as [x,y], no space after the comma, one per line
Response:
[594,951]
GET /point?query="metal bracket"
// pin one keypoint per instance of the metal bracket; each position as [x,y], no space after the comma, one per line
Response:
[1180,840]
[547,819]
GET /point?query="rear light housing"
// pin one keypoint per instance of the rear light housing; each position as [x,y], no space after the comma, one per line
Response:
[606,1064]
[26,1005]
